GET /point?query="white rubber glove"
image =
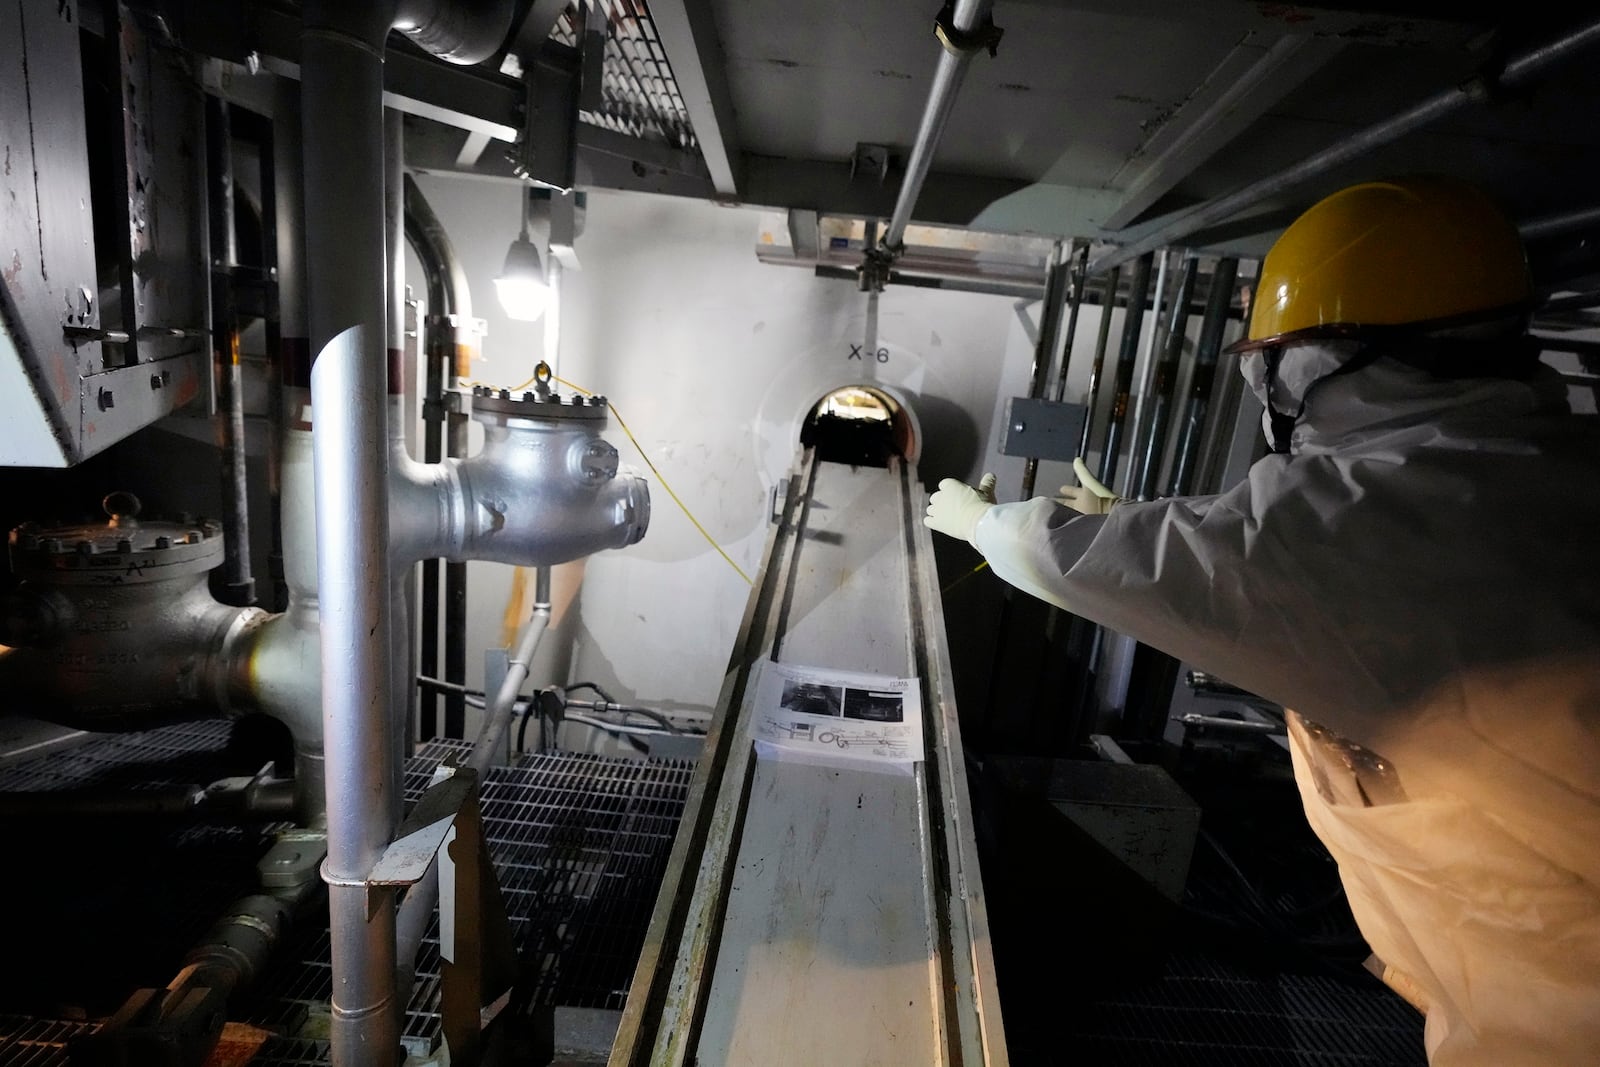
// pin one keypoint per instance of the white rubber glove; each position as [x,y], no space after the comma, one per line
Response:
[955,508]
[1093,498]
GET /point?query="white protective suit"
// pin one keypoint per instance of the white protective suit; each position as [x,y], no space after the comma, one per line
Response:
[1417,579]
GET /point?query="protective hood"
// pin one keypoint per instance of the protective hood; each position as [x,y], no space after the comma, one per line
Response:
[1417,576]
[1336,409]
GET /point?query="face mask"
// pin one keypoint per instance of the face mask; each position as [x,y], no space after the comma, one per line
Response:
[1284,377]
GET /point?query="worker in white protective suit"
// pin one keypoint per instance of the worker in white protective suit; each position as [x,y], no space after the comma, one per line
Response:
[1413,572]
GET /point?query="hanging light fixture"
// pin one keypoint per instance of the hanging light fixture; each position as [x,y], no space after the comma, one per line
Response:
[522,286]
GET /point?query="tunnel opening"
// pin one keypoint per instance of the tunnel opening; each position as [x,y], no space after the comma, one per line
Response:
[860,426]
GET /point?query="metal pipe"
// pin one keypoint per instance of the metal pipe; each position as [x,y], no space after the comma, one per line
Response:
[1044,347]
[1516,72]
[446,284]
[457,31]
[341,79]
[1192,419]
[967,17]
[1108,303]
[238,584]
[1166,382]
[1077,281]
[497,713]
[1556,225]
[1153,340]
[1127,356]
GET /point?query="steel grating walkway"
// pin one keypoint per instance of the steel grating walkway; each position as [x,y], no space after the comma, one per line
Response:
[580,843]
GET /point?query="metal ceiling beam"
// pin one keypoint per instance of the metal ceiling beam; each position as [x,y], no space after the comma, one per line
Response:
[1518,71]
[694,51]
[1255,75]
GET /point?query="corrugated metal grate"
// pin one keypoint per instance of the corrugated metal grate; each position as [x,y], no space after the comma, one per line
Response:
[28,1042]
[580,843]
[640,96]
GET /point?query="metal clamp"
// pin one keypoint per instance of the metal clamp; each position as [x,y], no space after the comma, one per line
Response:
[986,37]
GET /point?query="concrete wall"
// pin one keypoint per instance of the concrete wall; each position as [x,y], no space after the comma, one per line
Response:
[713,359]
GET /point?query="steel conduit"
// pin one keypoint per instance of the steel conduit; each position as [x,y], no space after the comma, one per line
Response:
[968,16]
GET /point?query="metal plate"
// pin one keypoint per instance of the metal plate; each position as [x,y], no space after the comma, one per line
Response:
[1042,429]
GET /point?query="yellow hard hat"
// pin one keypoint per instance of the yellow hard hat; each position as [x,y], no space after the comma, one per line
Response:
[1389,253]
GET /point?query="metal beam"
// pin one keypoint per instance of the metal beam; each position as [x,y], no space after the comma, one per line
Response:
[689,35]
[1518,71]
[1255,75]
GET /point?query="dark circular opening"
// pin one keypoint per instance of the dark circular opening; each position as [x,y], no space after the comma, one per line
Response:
[858,425]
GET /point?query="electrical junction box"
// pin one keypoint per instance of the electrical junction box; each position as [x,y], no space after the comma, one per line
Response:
[1042,429]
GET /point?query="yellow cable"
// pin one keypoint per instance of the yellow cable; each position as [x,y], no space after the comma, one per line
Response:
[623,423]
[964,577]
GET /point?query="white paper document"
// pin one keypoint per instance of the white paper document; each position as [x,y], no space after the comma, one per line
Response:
[837,718]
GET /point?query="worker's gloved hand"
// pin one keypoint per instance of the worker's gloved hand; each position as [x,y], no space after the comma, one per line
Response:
[956,508]
[1092,498]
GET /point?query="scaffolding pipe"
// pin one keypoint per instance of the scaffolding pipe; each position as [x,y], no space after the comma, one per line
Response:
[1516,72]
[1127,356]
[1192,419]
[1166,383]
[968,16]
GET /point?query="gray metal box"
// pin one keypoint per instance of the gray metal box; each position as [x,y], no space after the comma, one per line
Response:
[1042,429]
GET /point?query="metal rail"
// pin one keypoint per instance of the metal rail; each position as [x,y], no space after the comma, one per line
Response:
[796,892]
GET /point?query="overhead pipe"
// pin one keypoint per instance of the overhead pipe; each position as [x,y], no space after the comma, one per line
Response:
[970,20]
[1166,383]
[1192,419]
[1515,73]
[457,31]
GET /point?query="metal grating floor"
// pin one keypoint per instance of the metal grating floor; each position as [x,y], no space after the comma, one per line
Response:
[580,843]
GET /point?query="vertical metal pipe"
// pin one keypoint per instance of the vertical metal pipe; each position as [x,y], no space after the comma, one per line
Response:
[967,17]
[1166,382]
[1108,303]
[238,582]
[289,207]
[1192,420]
[341,76]
[1154,344]
[1127,357]
[1076,283]
[1044,347]
[403,634]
